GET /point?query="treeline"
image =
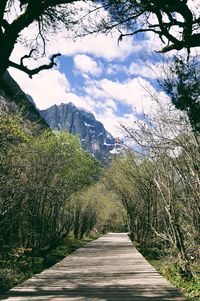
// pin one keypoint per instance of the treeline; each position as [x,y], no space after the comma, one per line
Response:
[45,184]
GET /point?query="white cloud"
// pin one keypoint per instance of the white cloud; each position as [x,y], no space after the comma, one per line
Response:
[137,93]
[113,122]
[84,102]
[146,69]
[104,46]
[99,45]
[114,69]
[102,97]
[194,6]
[92,88]
[86,65]
[101,105]
[47,88]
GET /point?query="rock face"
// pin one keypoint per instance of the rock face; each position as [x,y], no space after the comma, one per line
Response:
[14,100]
[93,136]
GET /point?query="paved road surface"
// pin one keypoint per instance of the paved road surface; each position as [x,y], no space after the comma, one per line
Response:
[107,269]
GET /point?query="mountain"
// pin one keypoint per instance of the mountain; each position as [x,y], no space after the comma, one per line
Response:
[93,136]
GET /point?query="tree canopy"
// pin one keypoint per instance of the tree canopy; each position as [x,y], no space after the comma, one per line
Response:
[38,176]
[182,85]
[173,22]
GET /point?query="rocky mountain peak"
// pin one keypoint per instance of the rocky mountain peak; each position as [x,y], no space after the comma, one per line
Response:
[93,136]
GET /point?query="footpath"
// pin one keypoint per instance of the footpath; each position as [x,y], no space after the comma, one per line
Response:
[106,269]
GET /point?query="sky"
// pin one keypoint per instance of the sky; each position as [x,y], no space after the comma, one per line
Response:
[114,81]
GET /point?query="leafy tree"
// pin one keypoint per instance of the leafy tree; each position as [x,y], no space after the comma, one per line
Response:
[11,131]
[97,209]
[182,85]
[131,178]
[44,172]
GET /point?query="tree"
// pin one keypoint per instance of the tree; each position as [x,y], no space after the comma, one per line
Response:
[131,178]
[42,173]
[11,132]
[48,15]
[172,151]
[181,83]
[162,17]
[97,209]
[155,16]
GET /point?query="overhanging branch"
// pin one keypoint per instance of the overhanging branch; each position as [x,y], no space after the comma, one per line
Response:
[122,35]
[170,47]
[34,71]
[193,41]
[27,56]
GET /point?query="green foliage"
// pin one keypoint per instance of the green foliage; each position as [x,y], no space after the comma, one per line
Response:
[182,85]
[14,272]
[160,191]
[10,277]
[52,188]
[98,210]
[170,271]
[11,131]
[43,172]
[131,178]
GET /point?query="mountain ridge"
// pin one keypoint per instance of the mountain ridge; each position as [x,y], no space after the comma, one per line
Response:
[93,136]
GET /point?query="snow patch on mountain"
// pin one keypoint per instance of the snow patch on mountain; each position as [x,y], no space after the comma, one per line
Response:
[93,136]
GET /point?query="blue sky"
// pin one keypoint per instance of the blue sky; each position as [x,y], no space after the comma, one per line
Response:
[115,82]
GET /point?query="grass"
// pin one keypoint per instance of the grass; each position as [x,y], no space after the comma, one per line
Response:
[13,272]
[169,267]
[169,270]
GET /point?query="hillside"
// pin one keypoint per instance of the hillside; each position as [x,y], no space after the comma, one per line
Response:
[14,100]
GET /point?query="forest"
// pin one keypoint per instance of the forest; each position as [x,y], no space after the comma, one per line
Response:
[55,196]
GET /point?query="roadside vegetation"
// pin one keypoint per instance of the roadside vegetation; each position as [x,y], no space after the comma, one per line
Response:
[16,270]
[159,183]
[159,188]
[167,266]
[50,200]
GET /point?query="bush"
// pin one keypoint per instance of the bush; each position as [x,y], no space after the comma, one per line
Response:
[9,277]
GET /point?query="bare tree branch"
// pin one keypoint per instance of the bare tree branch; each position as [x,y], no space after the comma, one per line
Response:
[34,71]
[133,17]
[138,15]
